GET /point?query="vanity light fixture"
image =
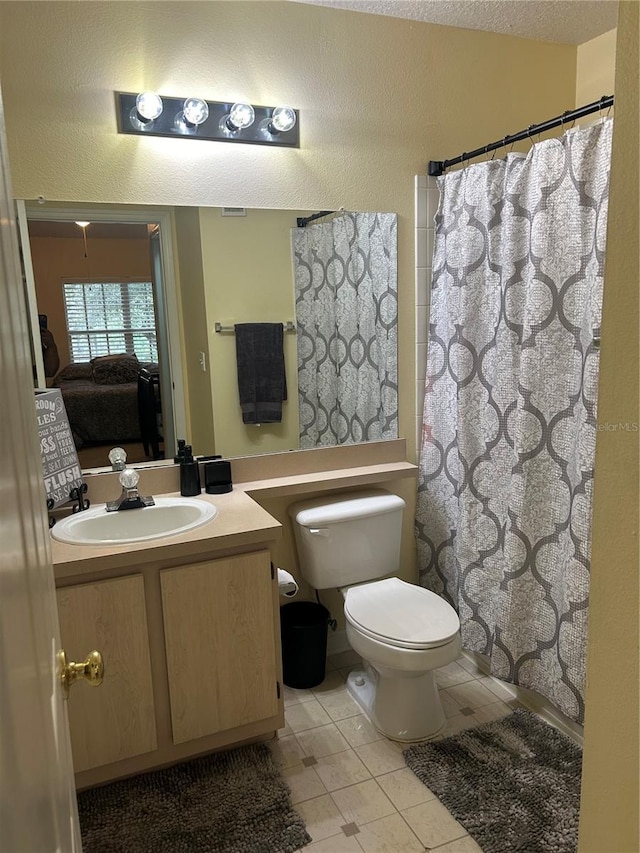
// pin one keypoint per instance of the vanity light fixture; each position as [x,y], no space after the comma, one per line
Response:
[149,114]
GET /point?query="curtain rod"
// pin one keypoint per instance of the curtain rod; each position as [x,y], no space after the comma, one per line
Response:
[437,167]
[304,221]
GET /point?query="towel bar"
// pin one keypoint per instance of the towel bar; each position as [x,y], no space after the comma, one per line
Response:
[289,326]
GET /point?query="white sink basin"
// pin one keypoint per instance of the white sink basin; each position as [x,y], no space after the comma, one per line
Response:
[169,517]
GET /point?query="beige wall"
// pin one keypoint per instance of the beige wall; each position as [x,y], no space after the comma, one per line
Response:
[378,98]
[609,814]
[595,70]
[195,339]
[58,258]
[248,278]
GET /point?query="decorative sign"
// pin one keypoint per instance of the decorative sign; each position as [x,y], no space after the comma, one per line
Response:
[57,448]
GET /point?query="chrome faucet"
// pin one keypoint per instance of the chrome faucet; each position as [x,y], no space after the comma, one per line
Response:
[130,497]
[118,458]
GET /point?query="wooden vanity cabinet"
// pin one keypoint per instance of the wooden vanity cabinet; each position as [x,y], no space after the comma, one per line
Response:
[192,662]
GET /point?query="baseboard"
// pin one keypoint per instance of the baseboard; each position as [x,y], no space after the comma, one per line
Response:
[532,700]
[337,642]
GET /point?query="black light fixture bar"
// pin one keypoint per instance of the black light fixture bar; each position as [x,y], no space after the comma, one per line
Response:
[214,128]
[438,167]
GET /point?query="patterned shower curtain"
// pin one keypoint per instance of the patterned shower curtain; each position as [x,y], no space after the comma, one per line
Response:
[506,465]
[345,273]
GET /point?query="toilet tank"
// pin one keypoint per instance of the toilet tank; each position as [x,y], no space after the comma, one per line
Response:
[348,539]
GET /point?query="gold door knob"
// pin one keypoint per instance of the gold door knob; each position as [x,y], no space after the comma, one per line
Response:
[91,670]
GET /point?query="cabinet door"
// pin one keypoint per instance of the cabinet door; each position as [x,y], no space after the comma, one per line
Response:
[220,642]
[115,720]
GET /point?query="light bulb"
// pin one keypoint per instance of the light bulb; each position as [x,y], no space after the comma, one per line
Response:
[240,116]
[282,120]
[195,111]
[82,224]
[148,106]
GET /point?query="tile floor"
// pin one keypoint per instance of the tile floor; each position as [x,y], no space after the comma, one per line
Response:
[351,784]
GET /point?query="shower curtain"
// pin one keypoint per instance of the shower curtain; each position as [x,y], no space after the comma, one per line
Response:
[345,273]
[506,465]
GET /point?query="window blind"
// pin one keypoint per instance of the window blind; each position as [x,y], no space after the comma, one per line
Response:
[109,318]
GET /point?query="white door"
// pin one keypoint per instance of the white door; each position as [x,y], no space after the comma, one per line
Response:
[38,810]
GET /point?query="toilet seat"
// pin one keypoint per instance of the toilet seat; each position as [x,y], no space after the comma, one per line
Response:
[400,614]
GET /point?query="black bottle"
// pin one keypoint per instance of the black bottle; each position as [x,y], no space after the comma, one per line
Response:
[189,474]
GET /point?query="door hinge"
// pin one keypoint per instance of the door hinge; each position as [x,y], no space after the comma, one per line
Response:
[278,688]
[273,571]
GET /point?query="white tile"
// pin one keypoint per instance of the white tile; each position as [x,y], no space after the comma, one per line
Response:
[471,694]
[466,844]
[325,740]
[501,689]
[389,835]
[495,711]
[340,706]
[334,680]
[423,285]
[422,325]
[420,386]
[321,817]
[421,361]
[433,824]
[358,730]
[336,844]
[433,200]
[286,751]
[420,208]
[381,756]
[285,731]
[340,770]
[457,723]
[292,696]
[344,659]
[431,239]
[404,789]
[306,715]
[421,247]
[304,782]
[363,803]
[452,674]
[449,704]
[470,665]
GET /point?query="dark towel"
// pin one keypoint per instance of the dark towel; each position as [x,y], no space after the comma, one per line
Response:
[261,378]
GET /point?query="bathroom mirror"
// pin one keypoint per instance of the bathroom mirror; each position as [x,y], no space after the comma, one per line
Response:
[202,270]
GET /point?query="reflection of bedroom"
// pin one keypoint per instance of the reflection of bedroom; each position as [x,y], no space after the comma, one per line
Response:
[100,390]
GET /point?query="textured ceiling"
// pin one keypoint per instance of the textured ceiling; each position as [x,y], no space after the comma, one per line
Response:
[565,21]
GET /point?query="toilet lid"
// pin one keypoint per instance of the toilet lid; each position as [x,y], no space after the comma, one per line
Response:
[401,614]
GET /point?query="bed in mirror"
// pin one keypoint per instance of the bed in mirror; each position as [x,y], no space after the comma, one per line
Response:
[142,303]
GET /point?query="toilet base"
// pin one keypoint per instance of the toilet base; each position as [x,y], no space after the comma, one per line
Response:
[404,707]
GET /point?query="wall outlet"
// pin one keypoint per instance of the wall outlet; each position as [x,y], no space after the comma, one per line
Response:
[203,362]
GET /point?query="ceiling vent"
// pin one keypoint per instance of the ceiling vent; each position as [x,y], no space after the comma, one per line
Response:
[234,211]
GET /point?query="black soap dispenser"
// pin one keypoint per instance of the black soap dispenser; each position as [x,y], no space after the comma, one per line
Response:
[189,474]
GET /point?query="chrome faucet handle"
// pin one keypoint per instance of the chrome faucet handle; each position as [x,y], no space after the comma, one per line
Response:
[118,458]
[129,478]
[130,497]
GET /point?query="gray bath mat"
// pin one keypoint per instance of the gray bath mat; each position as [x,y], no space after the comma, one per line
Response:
[513,784]
[228,802]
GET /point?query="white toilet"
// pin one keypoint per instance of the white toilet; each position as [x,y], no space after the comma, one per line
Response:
[402,632]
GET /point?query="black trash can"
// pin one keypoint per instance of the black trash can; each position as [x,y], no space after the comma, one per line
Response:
[303,629]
